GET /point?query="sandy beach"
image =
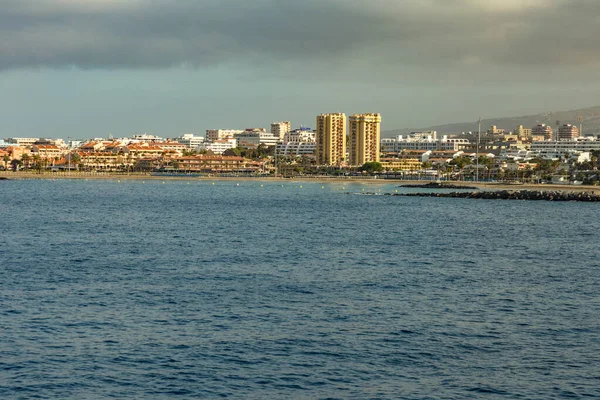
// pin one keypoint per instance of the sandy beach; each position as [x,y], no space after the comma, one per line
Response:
[363,180]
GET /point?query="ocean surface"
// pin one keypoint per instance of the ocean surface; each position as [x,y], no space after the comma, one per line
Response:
[293,290]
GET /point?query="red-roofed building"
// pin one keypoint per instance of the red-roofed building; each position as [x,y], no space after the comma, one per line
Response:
[91,147]
[47,152]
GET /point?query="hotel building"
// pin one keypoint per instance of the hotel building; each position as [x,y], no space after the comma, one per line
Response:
[522,132]
[302,135]
[218,134]
[254,137]
[556,148]
[400,143]
[567,132]
[190,140]
[279,129]
[365,135]
[331,139]
[542,129]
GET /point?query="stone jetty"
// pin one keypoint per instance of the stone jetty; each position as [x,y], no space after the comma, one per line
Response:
[546,195]
[437,185]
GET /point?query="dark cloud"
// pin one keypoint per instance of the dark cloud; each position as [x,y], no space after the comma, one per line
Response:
[327,33]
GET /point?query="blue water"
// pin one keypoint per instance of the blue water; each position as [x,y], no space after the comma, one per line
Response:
[185,289]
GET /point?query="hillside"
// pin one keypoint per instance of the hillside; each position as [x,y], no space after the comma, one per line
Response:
[591,122]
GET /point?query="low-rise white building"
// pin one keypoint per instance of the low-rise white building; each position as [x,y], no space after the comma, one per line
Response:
[516,154]
[302,135]
[255,138]
[218,146]
[144,137]
[296,149]
[190,140]
[218,134]
[555,149]
[22,141]
[422,141]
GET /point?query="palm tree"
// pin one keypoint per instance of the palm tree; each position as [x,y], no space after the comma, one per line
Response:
[25,158]
[6,160]
[74,159]
[37,163]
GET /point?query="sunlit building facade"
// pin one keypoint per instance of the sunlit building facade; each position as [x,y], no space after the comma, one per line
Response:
[365,136]
[331,139]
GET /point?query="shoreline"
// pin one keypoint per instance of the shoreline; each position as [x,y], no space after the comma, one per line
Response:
[10,175]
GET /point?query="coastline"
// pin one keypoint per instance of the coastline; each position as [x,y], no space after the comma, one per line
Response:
[10,175]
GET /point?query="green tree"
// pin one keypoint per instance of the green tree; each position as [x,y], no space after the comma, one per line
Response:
[75,160]
[15,164]
[371,167]
[461,162]
[25,159]
[37,162]
[6,160]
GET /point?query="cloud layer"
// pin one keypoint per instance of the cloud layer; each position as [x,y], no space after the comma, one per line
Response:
[390,33]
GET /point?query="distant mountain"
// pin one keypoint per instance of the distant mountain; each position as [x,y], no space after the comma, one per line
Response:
[591,122]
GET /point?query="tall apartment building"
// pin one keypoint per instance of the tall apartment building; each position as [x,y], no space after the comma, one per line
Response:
[567,132]
[279,129]
[331,139]
[542,129]
[365,136]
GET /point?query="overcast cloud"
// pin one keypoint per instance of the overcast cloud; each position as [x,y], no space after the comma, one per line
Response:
[161,33]
[88,67]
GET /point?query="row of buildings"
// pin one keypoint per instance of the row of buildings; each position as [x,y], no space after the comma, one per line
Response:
[540,132]
[148,153]
[362,139]
[337,140]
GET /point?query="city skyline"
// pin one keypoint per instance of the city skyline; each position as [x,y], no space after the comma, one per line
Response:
[104,67]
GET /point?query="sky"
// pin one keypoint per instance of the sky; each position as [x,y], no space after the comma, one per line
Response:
[90,68]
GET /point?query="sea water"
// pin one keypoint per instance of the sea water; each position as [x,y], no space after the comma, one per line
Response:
[257,289]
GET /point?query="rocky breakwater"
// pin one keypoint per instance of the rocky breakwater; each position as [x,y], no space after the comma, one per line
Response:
[436,185]
[546,195]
